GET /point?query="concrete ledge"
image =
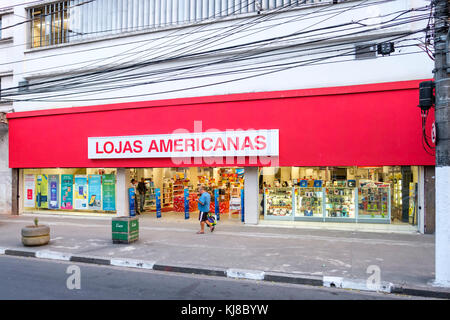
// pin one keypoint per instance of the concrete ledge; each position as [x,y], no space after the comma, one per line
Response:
[93,260]
[131,263]
[20,253]
[294,279]
[356,284]
[53,255]
[245,274]
[423,292]
[190,269]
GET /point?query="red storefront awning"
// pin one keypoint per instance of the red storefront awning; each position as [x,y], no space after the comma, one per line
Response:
[363,125]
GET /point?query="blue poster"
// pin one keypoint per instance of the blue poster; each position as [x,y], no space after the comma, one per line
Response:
[303,183]
[186,203]
[317,183]
[53,185]
[131,201]
[216,204]
[242,205]
[80,192]
[158,202]
[95,191]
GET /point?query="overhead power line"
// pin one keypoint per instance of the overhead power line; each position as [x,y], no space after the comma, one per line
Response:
[124,68]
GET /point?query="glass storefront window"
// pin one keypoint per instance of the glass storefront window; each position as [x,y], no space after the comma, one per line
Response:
[373,201]
[379,194]
[77,189]
[340,202]
[309,202]
[278,202]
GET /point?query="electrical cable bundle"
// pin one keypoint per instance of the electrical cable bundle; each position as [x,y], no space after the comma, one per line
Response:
[298,44]
[425,138]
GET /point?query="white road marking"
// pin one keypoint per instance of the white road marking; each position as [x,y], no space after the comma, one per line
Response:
[129,248]
[245,274]
[133,263]
[54,255]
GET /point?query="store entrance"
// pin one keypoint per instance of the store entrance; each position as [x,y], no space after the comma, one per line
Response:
[177,186]
[383,194]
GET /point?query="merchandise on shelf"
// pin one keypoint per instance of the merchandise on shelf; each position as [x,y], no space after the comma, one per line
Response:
[150,195]
[340,202]
[278,201]
[167,195]
[235,199]
[309,202]
[373,199]
[178,202]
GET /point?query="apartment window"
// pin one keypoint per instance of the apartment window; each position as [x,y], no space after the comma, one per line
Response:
[74,20]
[49,24]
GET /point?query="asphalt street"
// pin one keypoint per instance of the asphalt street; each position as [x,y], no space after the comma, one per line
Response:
[36,279]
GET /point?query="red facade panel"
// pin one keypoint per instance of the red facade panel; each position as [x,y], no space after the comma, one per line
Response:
[367,125]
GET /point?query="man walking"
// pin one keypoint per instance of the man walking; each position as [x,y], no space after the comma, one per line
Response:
[142,190]
[203,208]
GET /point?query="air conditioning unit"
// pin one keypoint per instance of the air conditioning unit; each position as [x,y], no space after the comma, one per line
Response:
[23,86]
[3,118]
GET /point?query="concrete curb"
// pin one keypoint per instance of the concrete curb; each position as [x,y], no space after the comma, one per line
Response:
[245,274]
[191,269]
[20,253]
[131,263]
[422,292]
[356,284]
[334,282]
[294,279]
[92,260]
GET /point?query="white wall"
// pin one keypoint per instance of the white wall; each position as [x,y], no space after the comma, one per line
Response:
[5,175]
[67,59]
[442,249]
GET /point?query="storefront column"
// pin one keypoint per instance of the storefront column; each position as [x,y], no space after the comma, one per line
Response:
[421,199]
[140,174]
[442,226]
[158,177]
[193,176]
[216,175]
[251,190]
[123,180]
[285,174]
[268,175]
[295,173]
[148,173]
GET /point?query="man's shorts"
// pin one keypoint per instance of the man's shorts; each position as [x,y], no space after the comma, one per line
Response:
[202,216]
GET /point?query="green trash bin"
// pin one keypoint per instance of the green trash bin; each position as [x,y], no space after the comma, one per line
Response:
[125,229]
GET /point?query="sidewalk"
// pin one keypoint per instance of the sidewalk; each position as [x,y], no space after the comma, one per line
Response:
[404,259]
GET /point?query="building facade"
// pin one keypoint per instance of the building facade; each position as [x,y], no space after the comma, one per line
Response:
[285,110]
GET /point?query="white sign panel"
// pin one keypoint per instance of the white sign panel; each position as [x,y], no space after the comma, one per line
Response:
[200,144]
[29,183]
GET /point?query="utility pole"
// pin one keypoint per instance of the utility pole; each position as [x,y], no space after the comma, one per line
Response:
[442,87]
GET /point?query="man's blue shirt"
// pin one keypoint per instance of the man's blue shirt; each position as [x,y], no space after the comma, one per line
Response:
[205,198]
